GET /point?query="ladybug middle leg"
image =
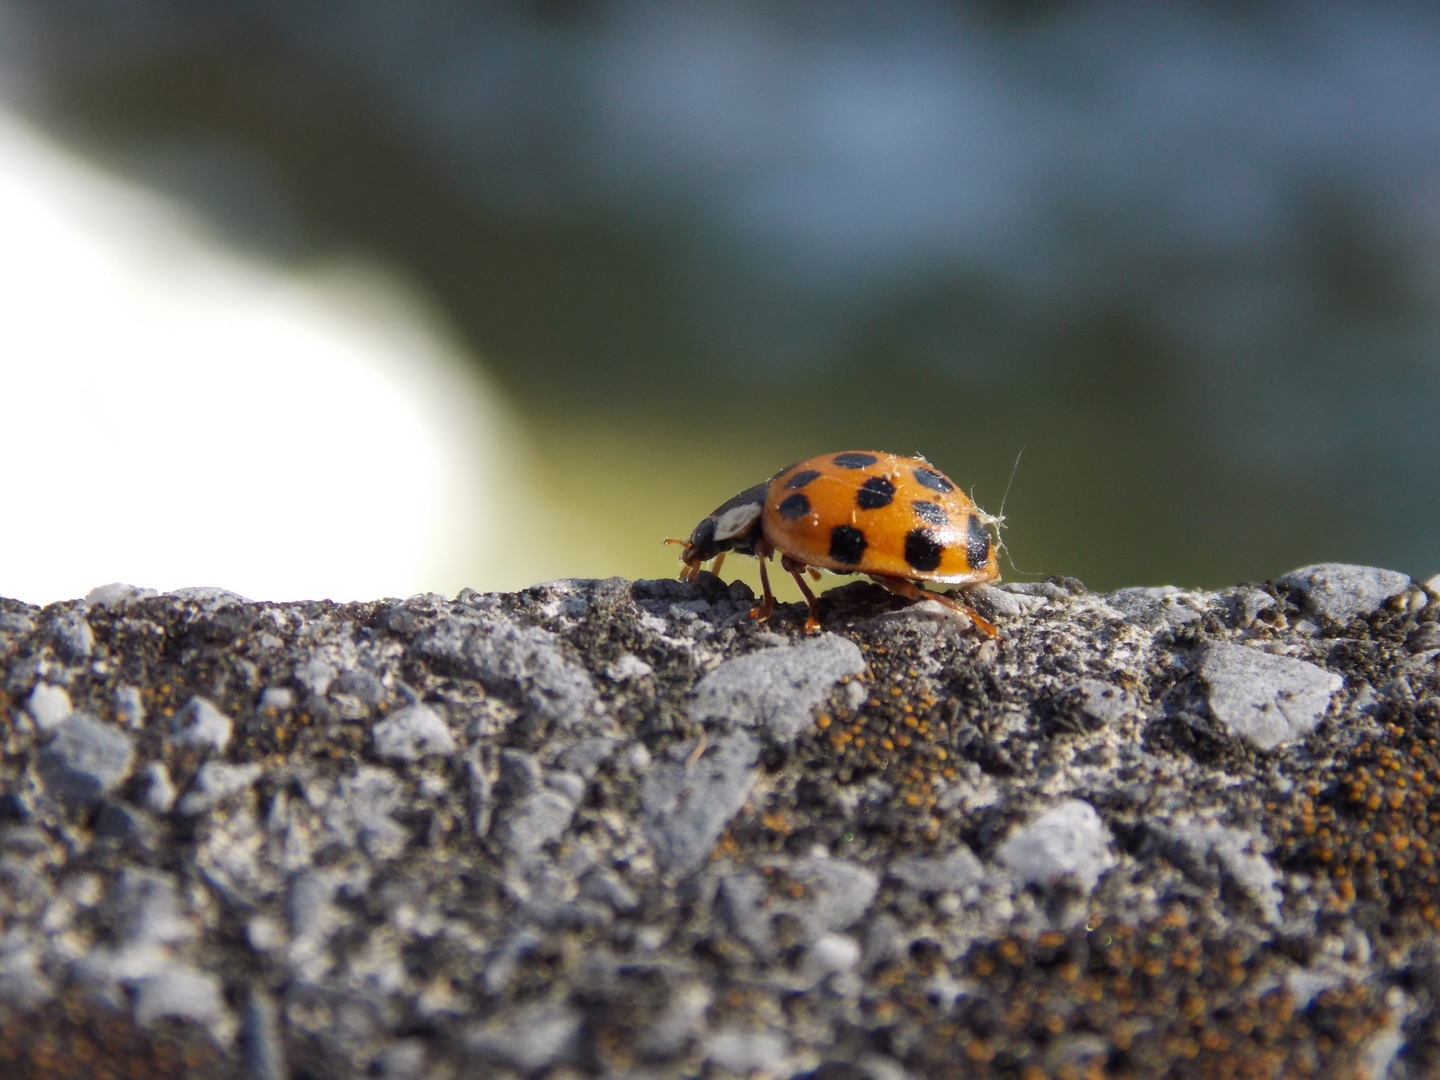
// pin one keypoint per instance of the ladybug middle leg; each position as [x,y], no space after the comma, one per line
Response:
[909,589]
[761,612]
[812,624]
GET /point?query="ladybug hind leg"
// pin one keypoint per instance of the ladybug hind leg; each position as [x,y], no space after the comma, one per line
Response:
[812,624]
[761,612]
[914,591]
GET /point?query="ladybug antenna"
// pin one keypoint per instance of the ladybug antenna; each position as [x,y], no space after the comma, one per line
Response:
[672,540]
[1000,518]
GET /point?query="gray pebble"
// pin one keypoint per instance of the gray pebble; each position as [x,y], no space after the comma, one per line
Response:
[48,706]
[607,888]
[679,1022]
[838,892]
[1103,702]
[21,982]
[13,622]
[119,821]
[200,725]
[207,597]
[1068,844]
[276,699]
[997,600]
[1215,854]
[587,755]
[74,640]
[1267,700]
[215,783]
[627,668]
[520,774]
[745,1052]
[115,596]
[1341,592]
[527,659]
[830,954]
[85,759]
[686,808]
[143,907]
[529,1037]
[403,1060]
[413,733]
[159,795]
[315,676]
[307,907]
[129,706]
[360,812]
[954,871]
[741,902]
[777,688]
[361,685]
[571,785]
[1423,638]
[261,1051]
[1164,605]
[179,993]
[533,822]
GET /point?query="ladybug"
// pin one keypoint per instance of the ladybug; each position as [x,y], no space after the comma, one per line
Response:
[898,519]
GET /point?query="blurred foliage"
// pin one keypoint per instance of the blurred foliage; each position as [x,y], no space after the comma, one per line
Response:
[644,419]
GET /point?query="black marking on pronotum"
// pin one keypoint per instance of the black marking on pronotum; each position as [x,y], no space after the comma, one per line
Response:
[933,480]
[800,479]
[854,460]
[922,550]
[930,513]
[704,535]
[875,493]
[847,544]
[796,506]
[977,543]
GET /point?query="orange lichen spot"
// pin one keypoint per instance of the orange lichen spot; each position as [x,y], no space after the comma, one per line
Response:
[822,721]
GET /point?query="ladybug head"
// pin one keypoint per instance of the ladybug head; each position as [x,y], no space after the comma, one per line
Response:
[733,526]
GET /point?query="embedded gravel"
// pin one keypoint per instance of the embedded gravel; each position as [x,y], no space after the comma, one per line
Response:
[612,828]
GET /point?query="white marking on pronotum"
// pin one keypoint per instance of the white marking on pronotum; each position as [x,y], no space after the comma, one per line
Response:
[736,520]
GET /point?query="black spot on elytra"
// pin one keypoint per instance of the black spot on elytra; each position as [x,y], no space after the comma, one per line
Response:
[800,479]
[930,513]
[977,543]
[796,506]
[922,550]
[854,460]
[875,493]
[847,544]
[935,481]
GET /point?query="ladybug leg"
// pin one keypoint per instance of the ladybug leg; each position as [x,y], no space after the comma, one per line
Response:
[812,624]
[913,591]
[761,612]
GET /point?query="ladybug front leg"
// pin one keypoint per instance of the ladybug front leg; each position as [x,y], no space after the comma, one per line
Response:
[762,611]
[909,589]
[812,624]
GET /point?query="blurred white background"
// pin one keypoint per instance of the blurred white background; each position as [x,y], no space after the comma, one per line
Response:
[176,415]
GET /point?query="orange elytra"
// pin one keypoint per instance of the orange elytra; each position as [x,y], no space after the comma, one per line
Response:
[898,519]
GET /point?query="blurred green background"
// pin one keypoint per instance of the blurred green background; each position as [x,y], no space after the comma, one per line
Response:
[1187,257]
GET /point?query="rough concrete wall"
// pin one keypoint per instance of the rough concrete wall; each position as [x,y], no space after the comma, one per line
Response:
[604,828]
